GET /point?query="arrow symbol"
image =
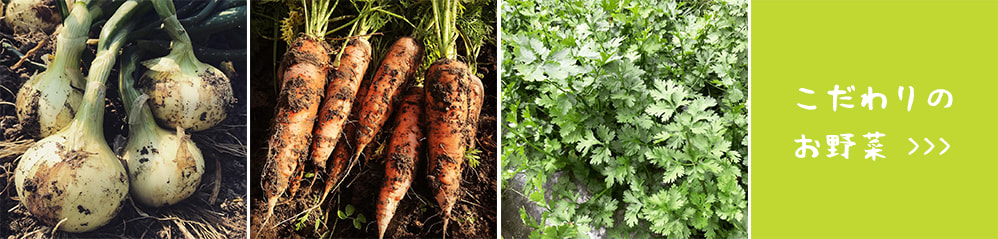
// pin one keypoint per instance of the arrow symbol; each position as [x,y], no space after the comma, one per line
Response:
[947,146]
[931,146]
[916,146]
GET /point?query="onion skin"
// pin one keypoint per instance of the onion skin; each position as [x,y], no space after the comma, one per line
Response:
[85,187]
[71,179]
[47,102]
[195,97]
[183,91]
[163,168]
[25,16]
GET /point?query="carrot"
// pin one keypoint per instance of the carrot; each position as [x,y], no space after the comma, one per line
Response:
[403,156]
[303,81]
[454,97]
[339,99]
[398,66]
[341,93]
[475,101]
[450,88]
[341,154]
[341,157]
[343,87]
[303,72]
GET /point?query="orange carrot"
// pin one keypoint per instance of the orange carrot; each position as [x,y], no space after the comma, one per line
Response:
[348,132]
[341,157]
[372,106]
[339,99]
[398,66]
[450,88]
[403,156]
[303,79]
[341,154]
[322,146]
[475,100]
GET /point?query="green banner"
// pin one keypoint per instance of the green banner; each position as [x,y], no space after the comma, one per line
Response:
[908,88]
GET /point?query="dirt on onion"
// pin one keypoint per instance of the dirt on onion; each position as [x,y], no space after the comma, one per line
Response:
[216,209]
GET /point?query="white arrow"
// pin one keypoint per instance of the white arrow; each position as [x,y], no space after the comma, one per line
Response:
[947,146]
[916,146]
[931,146]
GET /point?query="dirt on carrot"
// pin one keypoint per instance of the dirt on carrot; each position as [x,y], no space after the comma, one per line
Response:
[449,108]
[395,70]
[417,215]
[305,67]
[404,153]
[340,95]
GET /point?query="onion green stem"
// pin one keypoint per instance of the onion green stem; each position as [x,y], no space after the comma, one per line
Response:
[139,117]
[73,39]
[189,8]
[160,47]
[207,9]
[171,24]
[63,9]
[206,21]
[182,48]
[89,118]
[220,21]
[231,3]
[126,85]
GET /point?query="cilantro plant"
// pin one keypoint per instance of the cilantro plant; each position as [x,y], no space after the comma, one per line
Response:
[640,102]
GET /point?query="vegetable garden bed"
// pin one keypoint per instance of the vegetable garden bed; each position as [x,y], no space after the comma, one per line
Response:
[625,119]
[349,210]
[217,208]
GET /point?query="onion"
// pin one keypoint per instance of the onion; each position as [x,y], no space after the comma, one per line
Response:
[72,179]
[26,16]
[48,101]
[183,91]
[164,168]
[73,175]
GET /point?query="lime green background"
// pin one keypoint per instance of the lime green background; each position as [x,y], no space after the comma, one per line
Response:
[929,45]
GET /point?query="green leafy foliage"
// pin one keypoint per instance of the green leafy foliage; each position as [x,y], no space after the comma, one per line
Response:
[642,102]
[348,214]
[472,155]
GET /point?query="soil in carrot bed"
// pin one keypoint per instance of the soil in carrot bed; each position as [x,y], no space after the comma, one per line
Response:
[417,216]
[218,207]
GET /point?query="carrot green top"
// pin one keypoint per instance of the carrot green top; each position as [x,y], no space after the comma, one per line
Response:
[316,17]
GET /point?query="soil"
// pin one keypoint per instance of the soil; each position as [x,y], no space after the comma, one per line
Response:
[474,215]
[208,213]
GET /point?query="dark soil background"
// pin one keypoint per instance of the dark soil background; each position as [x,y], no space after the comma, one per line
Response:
[417,216]
[218,209]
